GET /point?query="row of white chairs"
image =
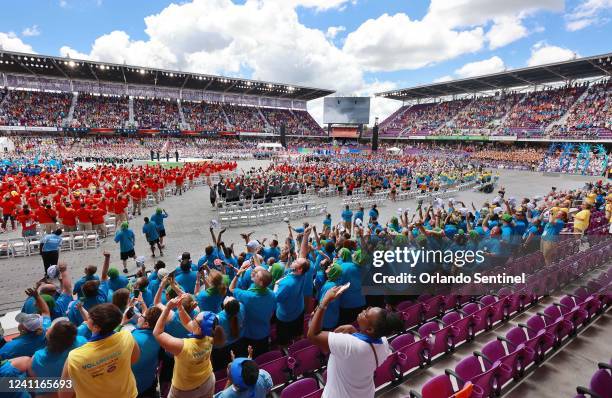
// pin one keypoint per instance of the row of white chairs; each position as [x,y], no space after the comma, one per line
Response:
[270,212]
[28,246]
[249,203]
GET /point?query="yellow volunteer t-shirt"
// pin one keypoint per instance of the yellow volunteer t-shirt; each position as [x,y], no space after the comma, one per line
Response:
[102,369]
[581,220]
[192,366]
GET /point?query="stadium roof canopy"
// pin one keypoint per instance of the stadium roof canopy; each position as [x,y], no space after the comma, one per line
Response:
[589,67]
[58,67]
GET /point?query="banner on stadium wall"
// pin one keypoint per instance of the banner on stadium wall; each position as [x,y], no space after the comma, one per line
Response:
[228,133]
[28,128]
[503,138]
[102,131]
[457,137]
[255,134]
[190,132]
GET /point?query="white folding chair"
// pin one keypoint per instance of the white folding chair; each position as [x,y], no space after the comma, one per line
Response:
[18,247]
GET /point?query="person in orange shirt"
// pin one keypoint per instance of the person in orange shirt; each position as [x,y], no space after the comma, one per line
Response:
[47,217]
[8,211]
[97,219]
[136,195]
[28,222]
[180,179]
[120,213]
[83,215]
[67,215]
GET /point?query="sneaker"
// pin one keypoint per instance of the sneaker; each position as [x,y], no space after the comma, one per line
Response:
[125,270]
[153,255]
[161,253]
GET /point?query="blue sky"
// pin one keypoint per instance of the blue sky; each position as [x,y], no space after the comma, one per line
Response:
[352,46]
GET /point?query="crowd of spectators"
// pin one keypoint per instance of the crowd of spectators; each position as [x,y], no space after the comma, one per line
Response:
[171,330]
[34,108]
[204,116]
[540,108]
[156,113]
[100,111]
[244,118]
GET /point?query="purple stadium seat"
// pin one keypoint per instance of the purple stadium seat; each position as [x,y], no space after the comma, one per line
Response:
[480,316]
[536,324]
[298,345]
[413,355]
[433,307]
[442,387]
[401,341]
[439,340]
[387,371]
[279,369]
[412,315]
[470,369]
[463,326]
[308,359]
[268,356]
[517,338]
[600,385]
[301,388]
[404,305]
[494,355]
[498,307]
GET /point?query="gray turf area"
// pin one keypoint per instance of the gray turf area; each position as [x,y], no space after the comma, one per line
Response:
[188,229]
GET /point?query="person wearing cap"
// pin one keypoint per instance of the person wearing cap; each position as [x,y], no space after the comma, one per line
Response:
[185,275]
[156,276]
[145,369]
[61,339]
[246,380]
[102,367]
[32,328]
[152,235]
[116,281]
[193,374]
[259,304]
[126,239]
[333,273]
[158,220]
[352,301]
[50,246]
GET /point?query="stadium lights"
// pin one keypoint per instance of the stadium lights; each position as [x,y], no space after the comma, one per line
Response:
[142,71]
[71,64]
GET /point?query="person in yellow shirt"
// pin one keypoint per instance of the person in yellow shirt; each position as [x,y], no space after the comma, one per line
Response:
[193,375]
[582,218]
[103,367]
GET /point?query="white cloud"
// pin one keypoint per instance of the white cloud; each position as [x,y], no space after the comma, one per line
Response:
[542,53]
[397,42]
[442,79]
[479,68]
[333,31]
[504,31]
[10,42]
[320,5]
[477,12]
[587,13]
[449,29]
[219,36]
[63,3]
[31,31]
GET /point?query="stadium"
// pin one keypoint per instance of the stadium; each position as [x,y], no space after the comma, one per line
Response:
[174,233]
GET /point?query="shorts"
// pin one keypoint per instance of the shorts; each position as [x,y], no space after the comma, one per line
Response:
[153,242]
[128,254]
[287,331]
[161,233]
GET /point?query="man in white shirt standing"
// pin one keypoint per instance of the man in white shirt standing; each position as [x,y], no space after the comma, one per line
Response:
[354,354]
